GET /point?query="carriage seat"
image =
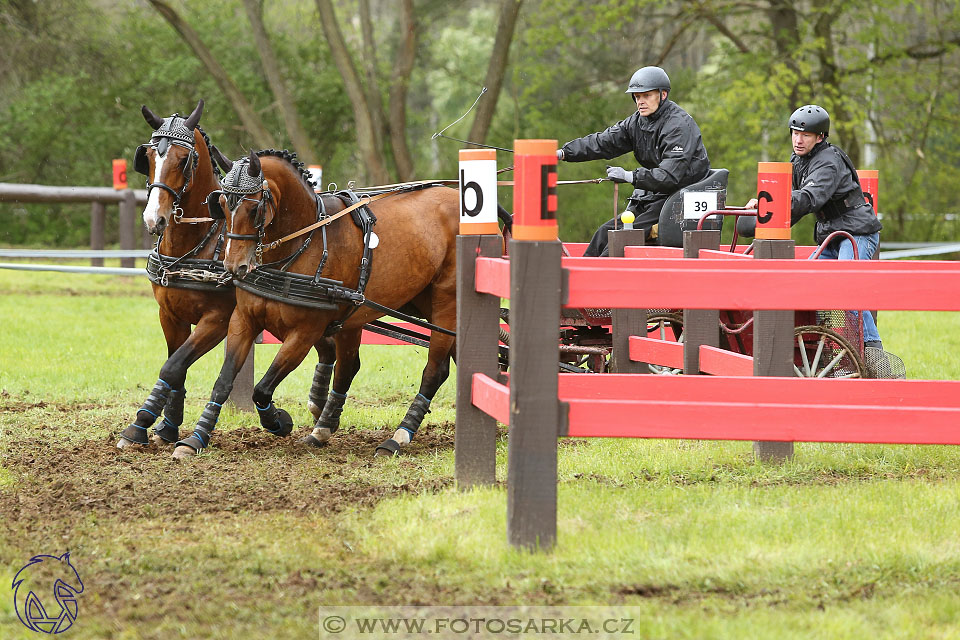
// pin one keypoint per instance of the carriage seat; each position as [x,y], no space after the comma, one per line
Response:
[672,225]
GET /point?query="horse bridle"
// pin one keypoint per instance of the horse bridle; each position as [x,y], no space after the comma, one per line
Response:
[171,132]
[241,192]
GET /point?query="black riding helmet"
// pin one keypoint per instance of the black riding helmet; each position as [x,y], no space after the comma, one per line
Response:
[648,79]
[811,118]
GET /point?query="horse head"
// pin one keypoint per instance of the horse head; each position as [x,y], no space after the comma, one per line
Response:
[247,202]
[33,584]
[169,161]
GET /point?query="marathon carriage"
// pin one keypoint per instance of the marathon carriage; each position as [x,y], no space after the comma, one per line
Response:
[828,343]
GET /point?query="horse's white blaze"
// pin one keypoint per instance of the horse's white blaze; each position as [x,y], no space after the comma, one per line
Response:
[151,211]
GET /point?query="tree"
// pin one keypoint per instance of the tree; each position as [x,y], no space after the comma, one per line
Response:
[271,70]
[248,116]
[496,70]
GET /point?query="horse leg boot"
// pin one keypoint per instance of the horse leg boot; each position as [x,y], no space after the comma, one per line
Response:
[238,348]
[434,374]
[347,366]
[168,393]
[136,432]
[291,354]
[326,350]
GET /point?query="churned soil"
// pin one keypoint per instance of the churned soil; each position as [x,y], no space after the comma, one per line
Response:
[248,469]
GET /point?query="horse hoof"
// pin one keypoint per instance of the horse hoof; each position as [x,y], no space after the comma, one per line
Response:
[165,436]
[386,448]
[162,442]
[123,443]
[182,452]
[285,424]
[315,410]
[133,434]
[318,438]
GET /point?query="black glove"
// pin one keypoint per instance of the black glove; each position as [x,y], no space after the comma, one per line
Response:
[619,174]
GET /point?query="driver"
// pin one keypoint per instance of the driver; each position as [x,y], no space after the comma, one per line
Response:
[664,139]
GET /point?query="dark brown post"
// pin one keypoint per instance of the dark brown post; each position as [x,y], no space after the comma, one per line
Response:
[98,212]
[700,326]
[535,299]
[478,318]
[773,343]
[128,216]
[626,322]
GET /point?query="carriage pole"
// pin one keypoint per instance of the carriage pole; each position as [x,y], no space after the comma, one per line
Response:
[773,329]
[475,442]
[536,414]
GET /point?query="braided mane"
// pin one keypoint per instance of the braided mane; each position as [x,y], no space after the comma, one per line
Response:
[291,157]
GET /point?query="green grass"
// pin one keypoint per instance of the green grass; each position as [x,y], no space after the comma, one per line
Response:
[694,538]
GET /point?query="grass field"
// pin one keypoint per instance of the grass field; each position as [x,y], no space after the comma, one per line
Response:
[692,539]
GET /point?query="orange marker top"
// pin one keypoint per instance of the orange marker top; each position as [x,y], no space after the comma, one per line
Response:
[774,167]
[478,154]
[535,147]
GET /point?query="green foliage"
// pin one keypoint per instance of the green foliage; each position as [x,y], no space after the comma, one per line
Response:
[887,71]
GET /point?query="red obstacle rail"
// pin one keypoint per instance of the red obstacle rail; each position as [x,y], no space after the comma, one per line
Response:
[655,351]
[769,409]
[720,362]
[767,284]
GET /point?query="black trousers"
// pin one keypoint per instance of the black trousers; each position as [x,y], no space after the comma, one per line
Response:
[647,212]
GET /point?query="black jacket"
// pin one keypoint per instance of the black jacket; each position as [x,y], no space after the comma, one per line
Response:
[825,185]
[667,144]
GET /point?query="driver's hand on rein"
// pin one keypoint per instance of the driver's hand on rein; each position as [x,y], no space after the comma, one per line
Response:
[619,174]
[752,204]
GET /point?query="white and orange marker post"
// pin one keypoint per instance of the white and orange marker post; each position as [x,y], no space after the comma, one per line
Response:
[536,284]
[316,172]
[120,174]
[774,183]
[870,184]
[535,190]
[478,192]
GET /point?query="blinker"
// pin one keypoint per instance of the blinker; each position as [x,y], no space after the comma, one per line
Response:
[213,204]
[141,164]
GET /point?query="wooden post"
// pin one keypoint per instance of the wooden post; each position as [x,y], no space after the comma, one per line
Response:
[98,213]
[626,322]
[773,343]
[128,216]
[700,326]
[535,299]
[773,330]
[478,318]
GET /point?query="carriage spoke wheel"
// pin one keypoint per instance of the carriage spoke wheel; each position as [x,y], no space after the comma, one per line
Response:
[824,353]
[660,323]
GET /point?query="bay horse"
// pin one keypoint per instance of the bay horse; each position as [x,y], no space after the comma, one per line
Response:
[186,270]
[408,263]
